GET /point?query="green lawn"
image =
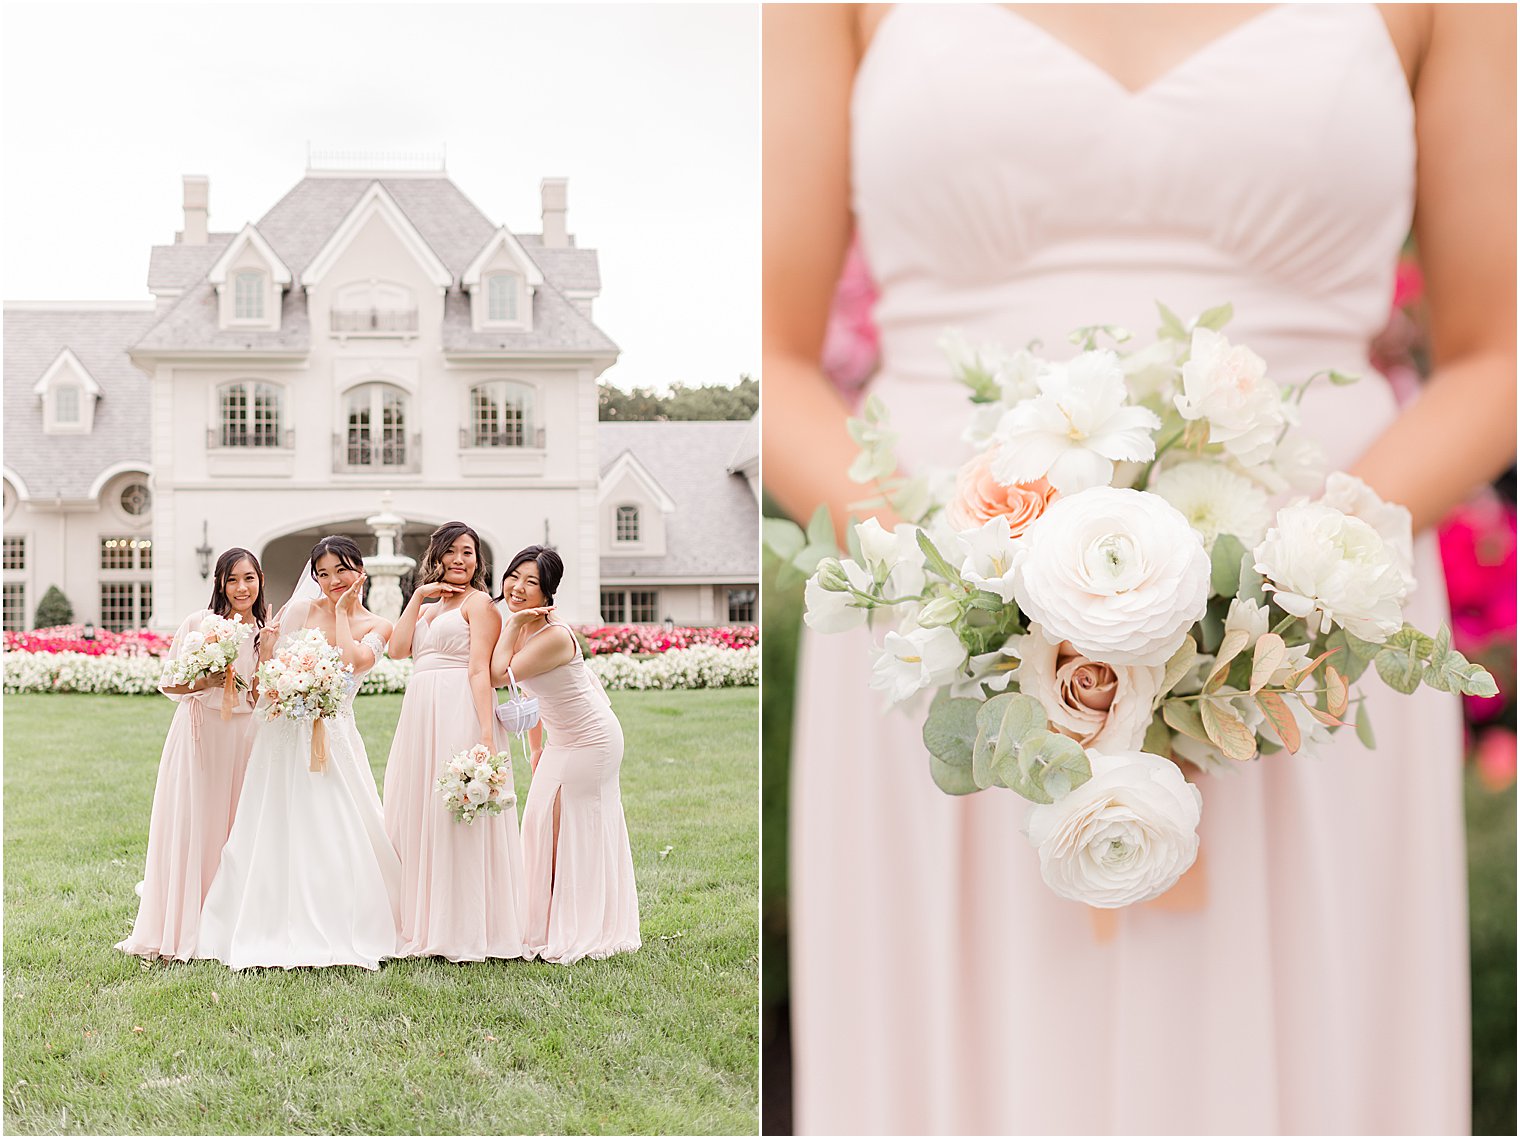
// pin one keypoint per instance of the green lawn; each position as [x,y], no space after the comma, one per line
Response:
[1491,883]
[663,1040]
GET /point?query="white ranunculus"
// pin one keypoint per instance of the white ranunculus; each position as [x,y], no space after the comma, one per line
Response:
[1353,497]
[1228,386]
[922,657]
[477,792]
[1076,429]
[989,557]
[1297,466]
[1118,573]
[1215,500]
[1317,560]
[829,611]
[1124,836]
[1102,706]
[194,639]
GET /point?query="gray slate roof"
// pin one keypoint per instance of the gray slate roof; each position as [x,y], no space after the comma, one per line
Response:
[180,266]
[300,223]
[64,466]
[714,530]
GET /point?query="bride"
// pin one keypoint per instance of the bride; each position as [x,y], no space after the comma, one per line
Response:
[308,876]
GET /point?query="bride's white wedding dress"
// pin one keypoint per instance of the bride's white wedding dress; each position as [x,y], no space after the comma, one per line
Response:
[1005,186]
[308,876]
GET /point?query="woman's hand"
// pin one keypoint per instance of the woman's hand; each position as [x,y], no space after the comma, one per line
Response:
[209,681]
[533,761]
[348,604]
[521,617]
[435,589]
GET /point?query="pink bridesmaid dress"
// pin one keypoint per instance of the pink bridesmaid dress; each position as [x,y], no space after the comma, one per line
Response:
[1005,186]
[582,899]
[199,779]
[462,883]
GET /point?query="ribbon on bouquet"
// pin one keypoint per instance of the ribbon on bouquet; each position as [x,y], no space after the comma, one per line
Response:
[1190,894]
[318,745]
[229,691]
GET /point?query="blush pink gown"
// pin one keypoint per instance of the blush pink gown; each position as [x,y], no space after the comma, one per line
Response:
[582,899]
[1005,186]
[199,778]
[462,883]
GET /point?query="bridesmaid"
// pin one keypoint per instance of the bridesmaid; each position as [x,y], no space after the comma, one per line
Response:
[581,897]
[200,775]
[461,883]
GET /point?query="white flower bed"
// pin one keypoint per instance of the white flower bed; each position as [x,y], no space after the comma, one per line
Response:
[701,666]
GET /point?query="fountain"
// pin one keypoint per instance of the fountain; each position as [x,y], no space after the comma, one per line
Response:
[386,567]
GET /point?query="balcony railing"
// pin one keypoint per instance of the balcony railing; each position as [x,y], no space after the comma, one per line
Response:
[374,322]
[247,438]
[530,439]
[398,454]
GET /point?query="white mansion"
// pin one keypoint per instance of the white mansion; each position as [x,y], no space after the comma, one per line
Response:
[371,344]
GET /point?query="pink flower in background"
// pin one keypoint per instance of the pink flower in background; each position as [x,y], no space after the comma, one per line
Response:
[1496,758]
[1478,555]
[851,344]
[1408,283]
[649,639]
[71,639]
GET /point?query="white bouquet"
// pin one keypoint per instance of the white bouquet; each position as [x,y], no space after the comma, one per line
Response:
[477,782]
[307,681]
[1106,588]
[211,648]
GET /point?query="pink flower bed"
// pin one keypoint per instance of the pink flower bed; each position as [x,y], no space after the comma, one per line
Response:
[70,639]
[655,639]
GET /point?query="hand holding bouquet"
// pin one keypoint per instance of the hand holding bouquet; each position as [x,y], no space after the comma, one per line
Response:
[1105,589]
[306,680]
[477,782]
[211,648]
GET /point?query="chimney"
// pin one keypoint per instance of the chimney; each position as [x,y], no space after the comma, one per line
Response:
[197,210]
[554,194]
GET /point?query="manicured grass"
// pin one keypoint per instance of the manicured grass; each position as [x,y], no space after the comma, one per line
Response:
[1491,882]
[663,1040]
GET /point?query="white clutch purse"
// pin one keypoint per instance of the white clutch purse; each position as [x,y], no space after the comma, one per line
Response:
[520,711]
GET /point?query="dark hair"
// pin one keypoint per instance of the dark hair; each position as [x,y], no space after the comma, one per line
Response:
[550,569]
[345,549]
[439,543]
[221,604]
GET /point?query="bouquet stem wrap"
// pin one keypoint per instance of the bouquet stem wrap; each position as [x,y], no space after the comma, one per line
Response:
[229,693]
[318,745]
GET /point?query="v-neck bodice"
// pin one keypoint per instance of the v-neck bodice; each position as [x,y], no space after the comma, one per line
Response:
[1006,186]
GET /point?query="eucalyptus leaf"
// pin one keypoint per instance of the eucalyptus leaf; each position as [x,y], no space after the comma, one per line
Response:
[1356,654]
[1226,730]
[1047,766]
[1211,631]
[1399,670]
[1224,565]
[1011,713]
[950,728]
[952,779]
[1411,639]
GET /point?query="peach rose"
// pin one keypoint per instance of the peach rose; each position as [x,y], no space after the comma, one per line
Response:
[979,497]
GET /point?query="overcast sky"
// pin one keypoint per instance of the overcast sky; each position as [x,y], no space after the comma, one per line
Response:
[652,112]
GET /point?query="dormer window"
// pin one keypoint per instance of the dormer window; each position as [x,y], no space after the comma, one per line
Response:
[68,393]
[248,295]
[66,405]
[627,526]
[501,297]
[501,415]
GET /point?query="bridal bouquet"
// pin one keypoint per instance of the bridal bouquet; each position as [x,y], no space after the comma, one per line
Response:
[1106,588]
[477,782]
[306,680]
[210,649]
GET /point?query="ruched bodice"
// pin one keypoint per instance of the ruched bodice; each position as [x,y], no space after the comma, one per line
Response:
[441,641]
[1007,187]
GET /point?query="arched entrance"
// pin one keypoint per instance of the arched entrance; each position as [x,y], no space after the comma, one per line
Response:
[284,557]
